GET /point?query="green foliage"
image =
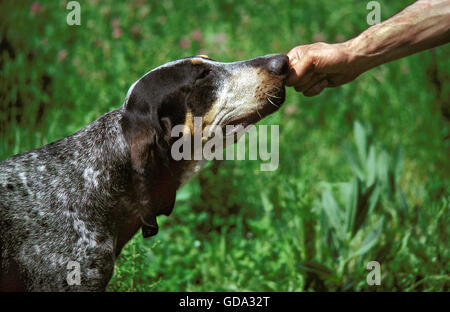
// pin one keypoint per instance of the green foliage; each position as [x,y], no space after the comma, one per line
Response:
[235,227]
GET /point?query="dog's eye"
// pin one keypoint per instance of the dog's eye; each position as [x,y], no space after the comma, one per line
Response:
[203,74]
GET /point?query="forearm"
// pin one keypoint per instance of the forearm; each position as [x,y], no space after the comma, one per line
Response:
[423,25]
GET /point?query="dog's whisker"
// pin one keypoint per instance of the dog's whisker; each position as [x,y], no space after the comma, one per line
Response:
[271,95]
[258,112]
[273,103]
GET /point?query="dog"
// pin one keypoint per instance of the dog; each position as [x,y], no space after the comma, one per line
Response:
[82,198]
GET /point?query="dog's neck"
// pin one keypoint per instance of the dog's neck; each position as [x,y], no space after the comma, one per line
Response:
[112,149]
[117,186]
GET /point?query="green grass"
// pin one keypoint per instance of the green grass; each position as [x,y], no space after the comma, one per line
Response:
[363,173]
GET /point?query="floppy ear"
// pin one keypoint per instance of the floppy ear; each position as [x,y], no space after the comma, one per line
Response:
[151,178]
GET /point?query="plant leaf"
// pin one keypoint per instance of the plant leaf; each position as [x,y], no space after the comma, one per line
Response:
[371,166]
[352,205]
[332,210]
[361,141]
[397,164]
[365,202]
[321,270]
[370,239]
[354,163]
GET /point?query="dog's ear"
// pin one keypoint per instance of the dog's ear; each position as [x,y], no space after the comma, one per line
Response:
[148,137]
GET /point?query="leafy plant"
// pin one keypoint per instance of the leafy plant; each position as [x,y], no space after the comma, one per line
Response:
[349,224]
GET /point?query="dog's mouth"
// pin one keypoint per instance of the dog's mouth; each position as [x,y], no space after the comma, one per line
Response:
[271,102]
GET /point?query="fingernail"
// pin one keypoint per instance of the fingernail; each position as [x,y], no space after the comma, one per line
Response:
[294,61]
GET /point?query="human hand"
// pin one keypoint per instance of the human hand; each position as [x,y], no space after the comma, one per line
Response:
[319,65]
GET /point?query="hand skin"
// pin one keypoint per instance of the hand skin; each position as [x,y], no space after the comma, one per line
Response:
[423,25]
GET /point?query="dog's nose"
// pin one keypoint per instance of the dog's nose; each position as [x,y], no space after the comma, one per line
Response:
[278,64]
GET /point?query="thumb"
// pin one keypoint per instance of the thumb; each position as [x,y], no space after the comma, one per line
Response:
[300,64]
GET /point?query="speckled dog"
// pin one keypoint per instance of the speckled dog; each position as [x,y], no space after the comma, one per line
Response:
[82,198]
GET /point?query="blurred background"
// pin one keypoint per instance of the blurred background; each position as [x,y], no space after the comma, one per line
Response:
[364,169]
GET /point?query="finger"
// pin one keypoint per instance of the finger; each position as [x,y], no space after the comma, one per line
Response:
[310,80]
[303,81]
[300,65]
[298,74]
[294,55]
[316,89]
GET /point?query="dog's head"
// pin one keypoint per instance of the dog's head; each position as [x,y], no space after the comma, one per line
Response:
[222,94]
[239,93]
